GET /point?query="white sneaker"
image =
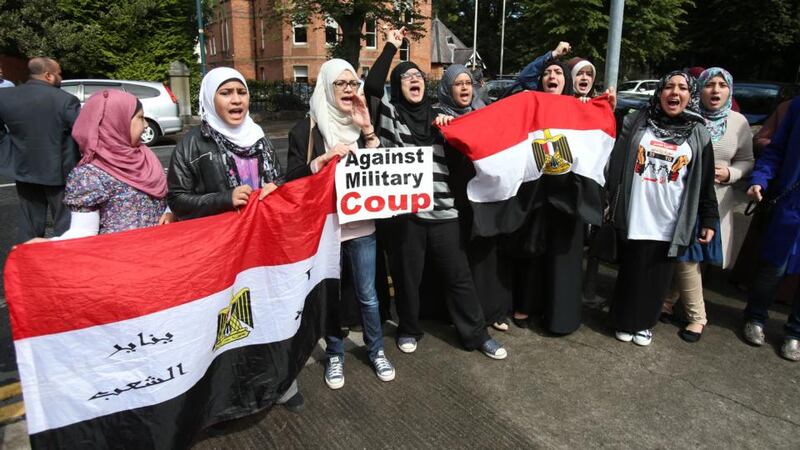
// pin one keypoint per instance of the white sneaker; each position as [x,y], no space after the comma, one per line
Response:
[643,338]
[623,336]
[407,344]
[383,368]
[334,372]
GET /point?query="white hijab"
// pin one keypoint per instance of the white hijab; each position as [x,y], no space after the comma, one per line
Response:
[336,127]
[244,135]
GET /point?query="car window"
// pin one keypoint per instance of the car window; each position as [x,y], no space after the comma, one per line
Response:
[756,99]
[650,86]
[89,89]
[627,86]
[74,89]
[141,91]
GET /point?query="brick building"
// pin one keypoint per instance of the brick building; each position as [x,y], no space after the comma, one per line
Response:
[248,35]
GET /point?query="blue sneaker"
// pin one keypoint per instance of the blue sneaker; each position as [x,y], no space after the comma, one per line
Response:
[407,344]
[493,349]
[334,372]
[383,368]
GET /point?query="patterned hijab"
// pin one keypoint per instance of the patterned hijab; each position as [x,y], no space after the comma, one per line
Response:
[447,103]
[716,121]
[680,127]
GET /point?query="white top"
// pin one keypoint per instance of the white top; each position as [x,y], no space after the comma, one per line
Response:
[657,188]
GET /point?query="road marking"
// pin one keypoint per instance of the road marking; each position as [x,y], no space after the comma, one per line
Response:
[7,185]
[10,390]
[12,411]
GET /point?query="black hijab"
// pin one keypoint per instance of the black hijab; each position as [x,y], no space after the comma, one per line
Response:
[417,116]
[680,127]
[567,77]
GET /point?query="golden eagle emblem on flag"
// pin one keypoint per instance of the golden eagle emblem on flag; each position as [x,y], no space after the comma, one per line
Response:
[553,155]
[235,321]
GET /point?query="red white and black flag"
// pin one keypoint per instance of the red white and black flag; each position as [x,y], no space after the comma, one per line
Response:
[140,339]
[514,142]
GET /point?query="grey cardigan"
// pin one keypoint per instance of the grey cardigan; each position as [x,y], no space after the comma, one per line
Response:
[699,198]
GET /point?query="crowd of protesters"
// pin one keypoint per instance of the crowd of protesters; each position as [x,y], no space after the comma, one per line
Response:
[669,195]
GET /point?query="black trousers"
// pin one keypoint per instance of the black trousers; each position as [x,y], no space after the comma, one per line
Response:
[411,241]
[645,276]
[551,284]
[491,272]
[34,201]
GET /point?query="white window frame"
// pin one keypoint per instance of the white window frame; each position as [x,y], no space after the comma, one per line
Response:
[407,50]
[330,23]
[295,26]
[373,33]
[297,72]
[263,34]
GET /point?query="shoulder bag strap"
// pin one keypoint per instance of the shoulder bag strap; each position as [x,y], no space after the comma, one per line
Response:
[310,152]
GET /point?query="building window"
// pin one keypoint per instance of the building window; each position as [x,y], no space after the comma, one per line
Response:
[364,71]
[212,43]
[226,38]
[263,74]
[404,50]
[408,16]
[300,74]
[370,35]
[263,34]
[300,32]
[331,32]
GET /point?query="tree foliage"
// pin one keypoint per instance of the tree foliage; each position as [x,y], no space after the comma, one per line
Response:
[128,39]
[351,15]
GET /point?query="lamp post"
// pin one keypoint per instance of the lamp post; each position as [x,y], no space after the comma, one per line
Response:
[502,37]
[475,38]
[614,42]
[199,7]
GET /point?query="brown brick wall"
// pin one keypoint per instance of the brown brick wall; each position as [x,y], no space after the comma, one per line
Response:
[276,57]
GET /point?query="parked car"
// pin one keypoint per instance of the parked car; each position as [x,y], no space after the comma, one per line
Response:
[644,87]
[497,87]
[159,103]
[757,100]
[628,102]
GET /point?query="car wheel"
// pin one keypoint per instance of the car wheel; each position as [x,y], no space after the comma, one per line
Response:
[151,133]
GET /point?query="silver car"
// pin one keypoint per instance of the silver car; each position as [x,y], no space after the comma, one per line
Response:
[159,103]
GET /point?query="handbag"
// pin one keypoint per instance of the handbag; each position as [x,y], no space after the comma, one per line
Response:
[766,205]
[604,245]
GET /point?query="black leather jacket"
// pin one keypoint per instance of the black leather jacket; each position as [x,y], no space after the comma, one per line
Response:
[197,183]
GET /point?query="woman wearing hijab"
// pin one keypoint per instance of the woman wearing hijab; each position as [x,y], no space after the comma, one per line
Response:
[530,78]
[339,123]
[660,182]
[733,160]
[491,271]
[406,120]
[217,164]
[119,183]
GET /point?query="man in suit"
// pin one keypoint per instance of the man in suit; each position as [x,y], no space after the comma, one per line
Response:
[40,151]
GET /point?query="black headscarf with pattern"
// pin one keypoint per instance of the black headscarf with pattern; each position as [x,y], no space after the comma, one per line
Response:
[676,128]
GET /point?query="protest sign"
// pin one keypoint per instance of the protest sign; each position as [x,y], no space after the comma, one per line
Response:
[375,183]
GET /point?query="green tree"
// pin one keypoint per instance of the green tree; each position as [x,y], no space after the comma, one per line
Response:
[102,38]
[351,15]
[756,40]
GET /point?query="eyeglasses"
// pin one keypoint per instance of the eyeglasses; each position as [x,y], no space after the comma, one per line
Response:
[415,75]
[462,83]
[340,84]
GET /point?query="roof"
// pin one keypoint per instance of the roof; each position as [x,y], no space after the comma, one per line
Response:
[446,47]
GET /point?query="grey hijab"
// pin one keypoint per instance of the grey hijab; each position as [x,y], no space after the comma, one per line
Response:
[445,92]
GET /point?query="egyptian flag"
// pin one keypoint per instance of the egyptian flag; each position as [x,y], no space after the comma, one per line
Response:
[515,142]
[142,338]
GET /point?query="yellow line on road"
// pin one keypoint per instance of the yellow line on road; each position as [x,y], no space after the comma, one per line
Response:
[10,390]
[12,411]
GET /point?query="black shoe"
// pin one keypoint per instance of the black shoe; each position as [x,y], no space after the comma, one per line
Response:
[296,404]
[689,335]
[520,323]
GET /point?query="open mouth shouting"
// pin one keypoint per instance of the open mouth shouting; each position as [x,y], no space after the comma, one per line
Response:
[583,86]
[552,86]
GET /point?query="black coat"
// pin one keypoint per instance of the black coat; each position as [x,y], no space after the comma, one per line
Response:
[197,183]
[297,159]
[39,148]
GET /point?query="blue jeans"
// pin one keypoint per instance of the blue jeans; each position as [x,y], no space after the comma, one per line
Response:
[762,292]
[360,254]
